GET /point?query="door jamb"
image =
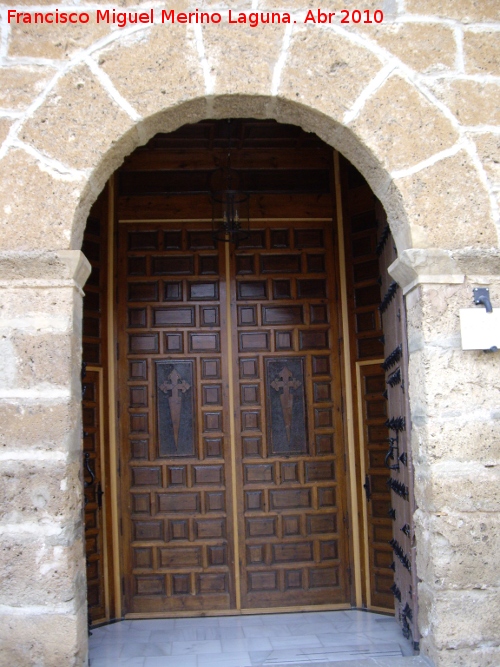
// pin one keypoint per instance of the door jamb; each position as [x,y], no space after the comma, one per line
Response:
[111,403]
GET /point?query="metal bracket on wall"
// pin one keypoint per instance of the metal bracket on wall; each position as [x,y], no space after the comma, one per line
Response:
[481,296]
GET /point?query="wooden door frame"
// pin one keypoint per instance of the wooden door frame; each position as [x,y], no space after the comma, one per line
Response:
[106,569]
[347,386]
[356,537]
[112,398]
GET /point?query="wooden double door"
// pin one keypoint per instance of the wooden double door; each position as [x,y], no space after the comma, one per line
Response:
[230,412]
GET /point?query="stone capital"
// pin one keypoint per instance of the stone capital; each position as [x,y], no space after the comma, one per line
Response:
[62,268]
[416,266]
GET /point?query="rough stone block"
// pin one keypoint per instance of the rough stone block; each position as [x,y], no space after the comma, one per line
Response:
[481,107]
[56,571]
[230,48]
[44,269]
[463,619]
[485,656]
[242,106]
[433,314]
[459,487]
[21,85]
[27,220]
[35,310]
[241,5]
[446,380]
[42,360]
[462,439]
[425,47]
[80,141]
[54,41]
[326,71]
[447,205]
[482,52]
[488,148]
[236,45]
[458,551]
[401,127]
[5,125]
[14,3]
[50,639]
[143,70]
[49,425]
[40,491]
[467,11]
[304,5]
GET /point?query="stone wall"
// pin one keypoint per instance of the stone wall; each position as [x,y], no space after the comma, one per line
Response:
[412,102]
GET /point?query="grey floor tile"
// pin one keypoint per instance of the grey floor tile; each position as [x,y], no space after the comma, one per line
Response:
[259,657]
[283,657]
[246,644]
[152,624]
[106,650]
[240,621]
[172,661]
[267,631]
[232,633]
[286,619]
[145,650]
[333,615]
[196,648]
[236,659]
[197,622]
[318,628]
[187,634]
[112,662]
[184,635]
[340,638]
[295,641]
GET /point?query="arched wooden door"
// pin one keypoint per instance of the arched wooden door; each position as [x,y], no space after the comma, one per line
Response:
[231,437]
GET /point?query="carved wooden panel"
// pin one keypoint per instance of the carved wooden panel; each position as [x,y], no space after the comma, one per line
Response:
[375,439]
[175,385]
[173,420]
[286,416]
[293,538]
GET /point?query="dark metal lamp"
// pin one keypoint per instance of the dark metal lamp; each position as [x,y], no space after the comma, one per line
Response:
[230,204]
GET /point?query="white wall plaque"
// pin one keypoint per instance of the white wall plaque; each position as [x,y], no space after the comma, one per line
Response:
[480,330]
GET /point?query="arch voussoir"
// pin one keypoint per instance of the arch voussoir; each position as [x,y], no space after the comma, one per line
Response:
[143,71]
[326,71]
[60,130]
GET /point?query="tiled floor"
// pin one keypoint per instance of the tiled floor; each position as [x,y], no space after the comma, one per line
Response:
[244,641]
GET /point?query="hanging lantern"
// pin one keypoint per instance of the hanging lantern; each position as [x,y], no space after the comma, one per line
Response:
[230,204]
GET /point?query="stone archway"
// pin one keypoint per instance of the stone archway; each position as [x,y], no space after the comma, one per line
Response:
[420,164]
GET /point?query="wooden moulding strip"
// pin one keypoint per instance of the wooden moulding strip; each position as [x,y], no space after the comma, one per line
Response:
[178,221]
[240,612]
[349,408]
[362,473]
[232,430]
[113,449]
[102,462]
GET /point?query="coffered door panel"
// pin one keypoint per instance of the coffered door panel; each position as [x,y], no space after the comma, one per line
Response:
[177,536]
[289,444]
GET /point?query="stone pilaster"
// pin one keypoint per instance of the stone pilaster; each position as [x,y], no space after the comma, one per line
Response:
[43,615]
[455,410]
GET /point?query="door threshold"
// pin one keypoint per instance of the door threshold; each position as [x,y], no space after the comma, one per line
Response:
[238,612]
